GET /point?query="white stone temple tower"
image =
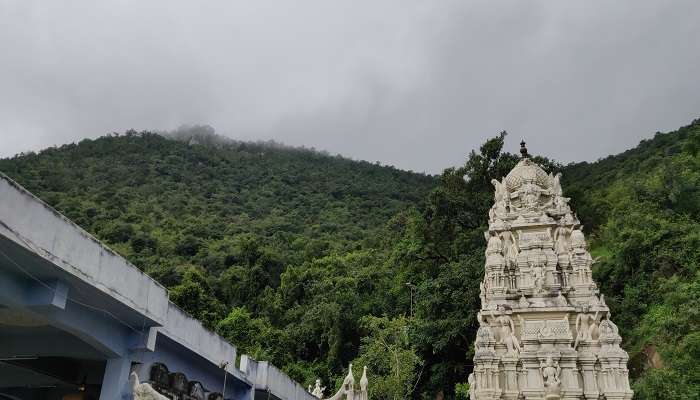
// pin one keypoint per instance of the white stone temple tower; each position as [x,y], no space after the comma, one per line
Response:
[545,332]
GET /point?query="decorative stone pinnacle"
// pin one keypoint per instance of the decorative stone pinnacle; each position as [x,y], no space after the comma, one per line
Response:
[523,149]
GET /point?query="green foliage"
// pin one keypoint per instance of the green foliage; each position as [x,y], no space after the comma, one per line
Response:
[253,336]
[462,391]
[313,261]
[441,252]
[389,355]
[281,250]
[195,295]
[643,210]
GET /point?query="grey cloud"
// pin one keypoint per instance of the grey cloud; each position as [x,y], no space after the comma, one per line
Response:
[413,84]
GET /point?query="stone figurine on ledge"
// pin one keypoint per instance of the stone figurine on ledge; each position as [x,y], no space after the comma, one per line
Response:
[317,391]
[550,375]
[144,391]
[166,385]
[347,389]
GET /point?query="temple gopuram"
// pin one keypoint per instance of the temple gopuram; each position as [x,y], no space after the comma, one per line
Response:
[545,331]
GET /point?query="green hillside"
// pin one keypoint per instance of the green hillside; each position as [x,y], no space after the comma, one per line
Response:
[313,261]
[163,203]
[643,207]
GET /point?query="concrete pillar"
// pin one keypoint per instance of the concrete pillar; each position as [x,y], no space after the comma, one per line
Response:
[115,384]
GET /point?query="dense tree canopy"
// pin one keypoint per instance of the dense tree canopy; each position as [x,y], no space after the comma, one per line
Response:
[643,209]
[313,261]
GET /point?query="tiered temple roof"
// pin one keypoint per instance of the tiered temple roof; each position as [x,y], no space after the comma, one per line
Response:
[545,330]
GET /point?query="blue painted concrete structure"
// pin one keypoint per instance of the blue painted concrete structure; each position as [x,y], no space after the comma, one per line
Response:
[74,313]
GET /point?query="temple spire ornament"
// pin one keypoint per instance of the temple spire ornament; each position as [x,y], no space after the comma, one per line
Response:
[523,150]
[347,390]
[545,332]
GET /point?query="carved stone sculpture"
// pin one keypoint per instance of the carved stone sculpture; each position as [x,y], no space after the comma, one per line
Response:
[539,335]
[561,236]
[347,389]
[317,390]
[550,375]
[585,327]
[537,276]
[196,390]
[501,203]
[560,300]
[364,382]
[143,391]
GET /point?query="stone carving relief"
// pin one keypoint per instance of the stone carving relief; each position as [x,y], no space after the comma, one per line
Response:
[560,300]
[550,374]
[522,302]
[143,391]
[317,391]
[537,272]
[586,327]
[501,201]
[196,390]
[562,247]
[507,333]
[164,384]
[543,338]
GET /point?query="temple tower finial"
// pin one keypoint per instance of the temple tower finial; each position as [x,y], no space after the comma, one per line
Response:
[523,150]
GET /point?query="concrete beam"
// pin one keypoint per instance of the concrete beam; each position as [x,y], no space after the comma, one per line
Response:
[92,325]
[24,293]
[53,294]
[33,225]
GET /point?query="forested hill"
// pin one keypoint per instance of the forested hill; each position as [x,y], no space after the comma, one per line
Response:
[163,203]
[313,261]
[643,210]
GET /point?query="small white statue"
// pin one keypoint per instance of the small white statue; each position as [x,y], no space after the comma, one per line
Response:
[556,184]
[143,391]
[537,276]
[317,390]
[501,199]
[560,300]
[562,241]
[523,303]
[550,374]
[507,333]
[608,329]
[510,248]
[585,327]
[494,246]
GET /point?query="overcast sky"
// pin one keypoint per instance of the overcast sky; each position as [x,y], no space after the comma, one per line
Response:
[416,84]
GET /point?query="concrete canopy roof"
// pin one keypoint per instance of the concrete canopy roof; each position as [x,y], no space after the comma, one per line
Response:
[45,245]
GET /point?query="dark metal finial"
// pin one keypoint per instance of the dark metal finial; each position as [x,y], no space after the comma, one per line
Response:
[523,150]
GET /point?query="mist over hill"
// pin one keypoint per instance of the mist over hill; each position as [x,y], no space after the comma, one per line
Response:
[206,135]
[303,258]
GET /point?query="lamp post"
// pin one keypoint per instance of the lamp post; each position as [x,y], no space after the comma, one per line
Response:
[412,287]
[223,366]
